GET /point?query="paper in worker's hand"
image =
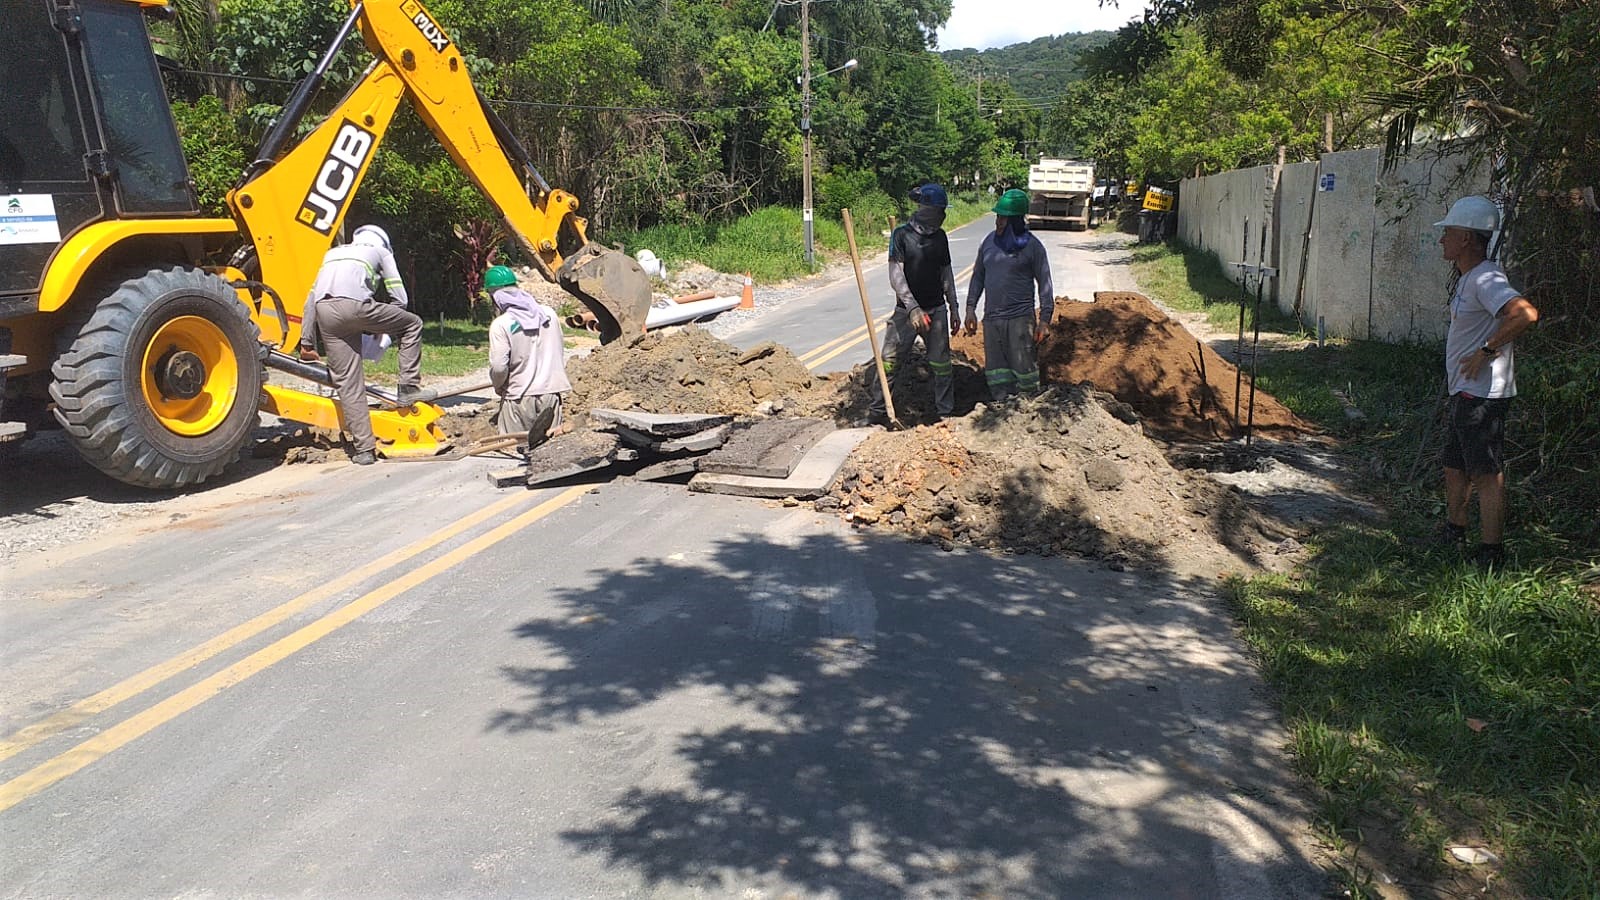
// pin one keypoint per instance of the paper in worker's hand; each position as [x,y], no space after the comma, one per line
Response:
[373,345]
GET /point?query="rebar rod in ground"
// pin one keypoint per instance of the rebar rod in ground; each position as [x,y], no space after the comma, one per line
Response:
[1238,343]
[1255,347]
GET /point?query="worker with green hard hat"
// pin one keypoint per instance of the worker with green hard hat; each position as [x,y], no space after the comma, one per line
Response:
[1012,265]
[527,359]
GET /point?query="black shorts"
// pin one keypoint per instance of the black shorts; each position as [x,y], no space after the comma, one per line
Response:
[1475,435]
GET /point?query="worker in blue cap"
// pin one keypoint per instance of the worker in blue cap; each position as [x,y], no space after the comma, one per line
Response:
[926,305]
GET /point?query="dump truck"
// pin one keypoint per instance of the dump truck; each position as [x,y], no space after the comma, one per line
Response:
[1059,192]
[143,327]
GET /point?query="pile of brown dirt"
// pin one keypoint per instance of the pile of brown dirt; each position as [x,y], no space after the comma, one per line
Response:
[1125,345]
[1050,474]
[689,371]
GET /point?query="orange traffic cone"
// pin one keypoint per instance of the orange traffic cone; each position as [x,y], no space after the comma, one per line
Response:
[747,300]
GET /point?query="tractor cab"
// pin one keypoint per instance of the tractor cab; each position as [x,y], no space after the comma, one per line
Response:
[86,133]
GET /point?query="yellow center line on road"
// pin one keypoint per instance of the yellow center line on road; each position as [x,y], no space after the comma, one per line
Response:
[838,345]
[816,357]
[53,770]
[149,678]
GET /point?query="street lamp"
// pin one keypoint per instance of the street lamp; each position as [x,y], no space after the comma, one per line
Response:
[805,137]
[805,126]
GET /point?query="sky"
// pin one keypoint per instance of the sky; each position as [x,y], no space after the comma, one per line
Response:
[999,23]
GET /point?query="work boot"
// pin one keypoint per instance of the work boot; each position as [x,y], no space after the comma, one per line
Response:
[1489,556]
[1445,537]
[363,457]
[407,395]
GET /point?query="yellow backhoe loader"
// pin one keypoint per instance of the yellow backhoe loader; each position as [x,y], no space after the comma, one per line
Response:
[115,319]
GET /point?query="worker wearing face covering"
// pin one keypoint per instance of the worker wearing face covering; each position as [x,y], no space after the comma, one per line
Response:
[1011,264]
[926,305]
[527,359]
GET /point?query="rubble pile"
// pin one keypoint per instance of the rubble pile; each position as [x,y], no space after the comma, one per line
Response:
[689,371]
[1057,473]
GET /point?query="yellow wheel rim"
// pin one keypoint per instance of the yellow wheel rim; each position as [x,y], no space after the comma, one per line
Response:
[189,375]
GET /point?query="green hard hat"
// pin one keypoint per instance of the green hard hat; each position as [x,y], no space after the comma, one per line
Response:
[1012,203]
[498,277]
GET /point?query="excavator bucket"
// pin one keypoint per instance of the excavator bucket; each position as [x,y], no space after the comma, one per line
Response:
[612,286]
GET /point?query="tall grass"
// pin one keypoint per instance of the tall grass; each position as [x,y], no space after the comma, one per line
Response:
[769,243]
[1441,704]
[1195,281]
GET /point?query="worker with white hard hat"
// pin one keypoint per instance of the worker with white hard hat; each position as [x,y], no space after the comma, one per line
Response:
[342,306]
[1486,316]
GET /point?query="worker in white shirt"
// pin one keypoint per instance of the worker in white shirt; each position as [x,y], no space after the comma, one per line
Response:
[527,359]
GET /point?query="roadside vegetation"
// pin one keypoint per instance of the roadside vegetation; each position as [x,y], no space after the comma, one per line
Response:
[1431,705]
[767,245]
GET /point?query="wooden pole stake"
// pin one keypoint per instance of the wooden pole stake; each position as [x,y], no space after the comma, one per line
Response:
[866,311]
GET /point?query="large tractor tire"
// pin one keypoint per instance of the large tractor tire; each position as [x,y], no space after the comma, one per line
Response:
[160,387]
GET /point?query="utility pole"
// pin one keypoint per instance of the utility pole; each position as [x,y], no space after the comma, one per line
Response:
[805,130]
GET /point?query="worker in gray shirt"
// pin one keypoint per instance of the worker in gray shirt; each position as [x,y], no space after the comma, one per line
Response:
[342,306]
[1011,263]
[527,359]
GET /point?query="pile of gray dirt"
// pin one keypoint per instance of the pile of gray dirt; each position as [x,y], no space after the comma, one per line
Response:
[1059,473]
[689,371]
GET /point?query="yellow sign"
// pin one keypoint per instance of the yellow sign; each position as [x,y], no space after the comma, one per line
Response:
[1159,199]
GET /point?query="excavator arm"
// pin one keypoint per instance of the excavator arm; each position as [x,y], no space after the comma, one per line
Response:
[293,199]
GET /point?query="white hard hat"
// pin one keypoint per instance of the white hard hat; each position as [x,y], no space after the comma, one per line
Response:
[1475,213]
[373,235]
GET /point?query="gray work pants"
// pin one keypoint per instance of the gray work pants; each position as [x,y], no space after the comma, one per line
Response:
[341,323]
[524,414]
[1010,359]
[898,339]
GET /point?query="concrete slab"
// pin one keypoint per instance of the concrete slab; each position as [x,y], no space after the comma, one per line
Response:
[768,448]
[660,425]
[710,439]
[670,468]
[571,454]
[505,478]
[700,442]
[810,479]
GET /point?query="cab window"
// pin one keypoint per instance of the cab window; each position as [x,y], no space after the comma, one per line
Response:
[135,115]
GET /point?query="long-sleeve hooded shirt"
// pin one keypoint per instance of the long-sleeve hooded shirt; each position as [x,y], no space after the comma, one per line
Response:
[1009,279]
[526,355]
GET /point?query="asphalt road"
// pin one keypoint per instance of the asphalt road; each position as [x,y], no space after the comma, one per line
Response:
[398,681]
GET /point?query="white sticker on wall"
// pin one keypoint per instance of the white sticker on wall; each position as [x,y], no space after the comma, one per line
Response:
[28,219]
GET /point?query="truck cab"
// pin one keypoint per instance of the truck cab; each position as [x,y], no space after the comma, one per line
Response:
[1060,193]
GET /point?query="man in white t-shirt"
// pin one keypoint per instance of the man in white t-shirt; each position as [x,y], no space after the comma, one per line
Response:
[1486,315]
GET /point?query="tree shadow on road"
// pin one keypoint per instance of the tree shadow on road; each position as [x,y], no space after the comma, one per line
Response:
[858,716]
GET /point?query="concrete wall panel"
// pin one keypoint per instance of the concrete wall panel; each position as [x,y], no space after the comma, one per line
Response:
[1341,244]
[1296,188]
[1373,269]
[1410,282]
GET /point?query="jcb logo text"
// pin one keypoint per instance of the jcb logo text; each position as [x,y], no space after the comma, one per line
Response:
[336,179]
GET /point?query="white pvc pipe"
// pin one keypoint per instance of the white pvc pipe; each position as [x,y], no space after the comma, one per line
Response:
[673,313]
